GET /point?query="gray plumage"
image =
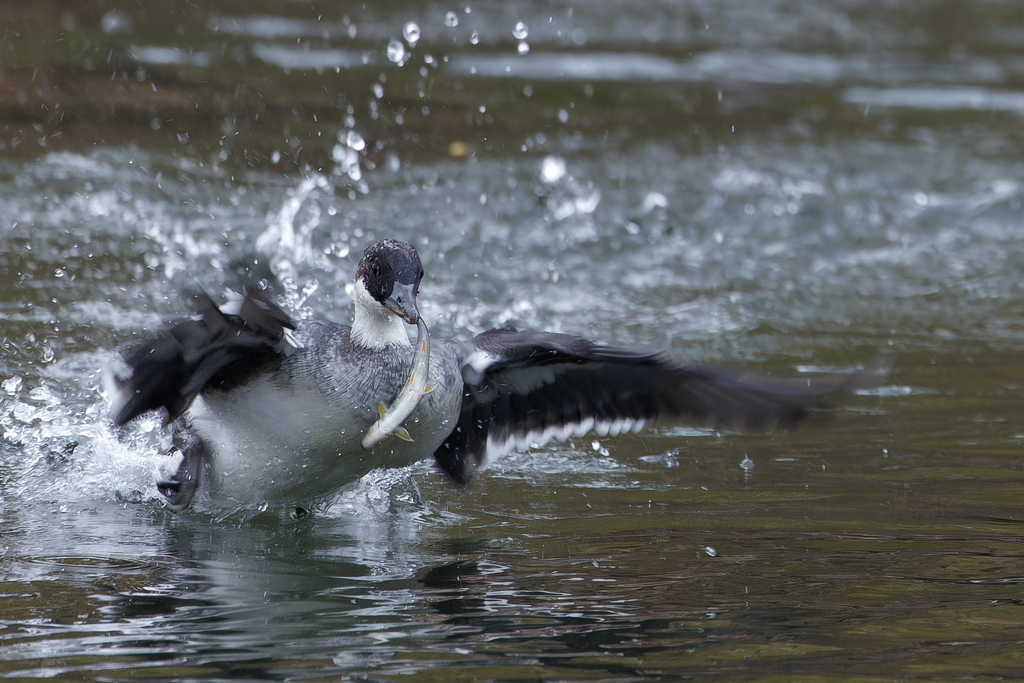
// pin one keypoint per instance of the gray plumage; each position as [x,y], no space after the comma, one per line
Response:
[267,409]
[292,434]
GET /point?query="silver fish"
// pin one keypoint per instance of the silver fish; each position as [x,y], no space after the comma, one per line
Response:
[391,418]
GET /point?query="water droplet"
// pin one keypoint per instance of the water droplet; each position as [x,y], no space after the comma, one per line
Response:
[355,141]
[48,354]
[275,158]
[115,22]
[474,38]
[654,200]
[523,48]
[411,33]
[396,51]
[747,463]
[563,115]
[553,169]
[60,272]
[451,20]
[519,31]
[378,90]
[711,551]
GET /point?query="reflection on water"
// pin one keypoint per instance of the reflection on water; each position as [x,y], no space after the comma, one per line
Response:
[779,187]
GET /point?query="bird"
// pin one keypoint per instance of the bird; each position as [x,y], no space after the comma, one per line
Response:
[267,409]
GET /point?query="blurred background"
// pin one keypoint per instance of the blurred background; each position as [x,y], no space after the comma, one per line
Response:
[784,187]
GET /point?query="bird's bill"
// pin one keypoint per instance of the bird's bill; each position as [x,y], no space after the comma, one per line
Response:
[403,302]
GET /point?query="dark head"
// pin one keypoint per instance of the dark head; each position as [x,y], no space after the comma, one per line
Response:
[391,272]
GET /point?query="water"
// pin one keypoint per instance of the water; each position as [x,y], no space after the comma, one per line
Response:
[772,186]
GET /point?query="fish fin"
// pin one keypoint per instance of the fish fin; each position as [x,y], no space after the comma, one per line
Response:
[428,390]
[382,409]
[402,434]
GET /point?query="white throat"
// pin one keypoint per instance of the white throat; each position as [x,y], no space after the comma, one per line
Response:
[375,326]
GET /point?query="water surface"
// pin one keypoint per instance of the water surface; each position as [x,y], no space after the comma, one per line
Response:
[770,186]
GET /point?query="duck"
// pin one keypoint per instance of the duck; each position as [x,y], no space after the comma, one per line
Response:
[265,409]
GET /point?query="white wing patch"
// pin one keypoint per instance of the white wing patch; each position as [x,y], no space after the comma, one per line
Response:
[537,438]
[115,384]
[478,362]
[233,306]
[233,302]
[292,340]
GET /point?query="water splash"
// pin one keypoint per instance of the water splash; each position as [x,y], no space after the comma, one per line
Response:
[347,157]
[61,454]
[12,385]
[288,237]
[565,196]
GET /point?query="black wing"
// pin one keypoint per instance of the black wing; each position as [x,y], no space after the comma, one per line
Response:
[211,349]
[528,387]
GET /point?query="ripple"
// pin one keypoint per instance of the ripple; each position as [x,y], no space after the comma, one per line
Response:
[299,59]
[938,99]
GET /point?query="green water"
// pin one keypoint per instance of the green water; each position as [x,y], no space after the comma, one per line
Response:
[781,187]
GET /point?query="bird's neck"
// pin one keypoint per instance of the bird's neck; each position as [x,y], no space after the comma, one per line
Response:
[376,327]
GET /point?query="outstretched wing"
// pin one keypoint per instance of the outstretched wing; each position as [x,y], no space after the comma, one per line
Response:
[528,387]
[212,348]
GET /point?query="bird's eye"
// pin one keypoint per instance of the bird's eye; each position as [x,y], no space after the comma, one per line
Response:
[420,277]
[375,267]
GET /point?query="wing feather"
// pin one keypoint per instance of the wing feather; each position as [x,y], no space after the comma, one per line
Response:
[524,388]
[211,349]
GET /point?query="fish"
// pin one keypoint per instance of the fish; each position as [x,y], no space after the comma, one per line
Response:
[390,418]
